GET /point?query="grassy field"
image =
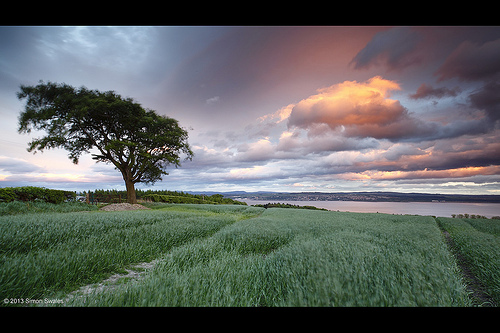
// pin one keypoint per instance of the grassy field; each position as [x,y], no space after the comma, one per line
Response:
[19,207]
[48,252]
[239,256]
[478,242]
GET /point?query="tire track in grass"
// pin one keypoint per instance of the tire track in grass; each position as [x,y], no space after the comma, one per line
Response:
[137,271]
[474,286]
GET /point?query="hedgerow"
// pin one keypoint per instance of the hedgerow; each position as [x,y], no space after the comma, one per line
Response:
[32,193]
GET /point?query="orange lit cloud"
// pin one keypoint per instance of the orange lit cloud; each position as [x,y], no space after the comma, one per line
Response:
[349,103]
[357,109]
[279,115]
[422,174]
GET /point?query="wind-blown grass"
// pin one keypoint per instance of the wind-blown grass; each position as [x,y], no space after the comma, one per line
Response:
[46,253]
[288,257]
[479,243]
[19,207]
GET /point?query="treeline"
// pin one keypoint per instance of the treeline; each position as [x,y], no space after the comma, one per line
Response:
[114,196]
[473,216]
[286,205]
[32,193]
[216,199]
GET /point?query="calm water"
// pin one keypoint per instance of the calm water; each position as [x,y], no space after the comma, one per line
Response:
[416,208]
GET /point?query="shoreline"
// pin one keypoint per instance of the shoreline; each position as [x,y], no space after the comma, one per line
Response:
[442,209]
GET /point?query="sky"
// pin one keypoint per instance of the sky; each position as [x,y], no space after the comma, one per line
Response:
[271,108]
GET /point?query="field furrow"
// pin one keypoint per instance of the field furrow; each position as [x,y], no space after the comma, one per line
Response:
[288,257]
[476,244]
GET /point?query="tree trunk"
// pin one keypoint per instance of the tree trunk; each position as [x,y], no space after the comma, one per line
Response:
[131,198]
[129,184]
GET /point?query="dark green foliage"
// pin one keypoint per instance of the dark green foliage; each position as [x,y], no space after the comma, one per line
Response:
[138,142]
[176,197]
[472,216]
[286,205]
[165,196]
[32,193]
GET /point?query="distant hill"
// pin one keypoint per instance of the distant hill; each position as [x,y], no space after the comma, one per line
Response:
[363,196]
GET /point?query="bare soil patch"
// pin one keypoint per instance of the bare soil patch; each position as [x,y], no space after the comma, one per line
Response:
[136,272]
[123,206]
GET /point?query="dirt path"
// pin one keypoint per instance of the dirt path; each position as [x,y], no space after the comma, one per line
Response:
[473,284]
[136,272]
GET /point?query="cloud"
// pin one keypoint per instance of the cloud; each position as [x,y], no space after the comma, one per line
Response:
[118,48]
[488,98]
[212,100]
[331,159]
[364,110]
[349,103]
[18,166]
[398,150]
[449,154]
[206,157]
[302,144]
[350,127]
[424,174]
[472,61]
[256,172]
[47,177]
[279,116]
[427,91]
[261,150]
[393,48]
[477,62]
[359,109]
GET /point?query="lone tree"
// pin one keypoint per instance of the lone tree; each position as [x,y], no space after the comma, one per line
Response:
[139,142]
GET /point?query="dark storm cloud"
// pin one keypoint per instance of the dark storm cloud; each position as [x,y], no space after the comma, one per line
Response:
[392,48]
[399,47]
[472,61]
[488,98]
[105,58]
[364,110]
[477,62]
[427,91]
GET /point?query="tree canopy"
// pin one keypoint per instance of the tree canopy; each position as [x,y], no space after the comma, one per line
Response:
[137,141]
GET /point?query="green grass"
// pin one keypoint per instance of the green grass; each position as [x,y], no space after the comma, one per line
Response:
[45,253]
[227,255]
[477,240]
[19,207]
[289,257]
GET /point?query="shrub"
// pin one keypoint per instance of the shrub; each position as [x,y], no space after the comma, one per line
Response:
[7,194]
[216,199]
[32,193]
